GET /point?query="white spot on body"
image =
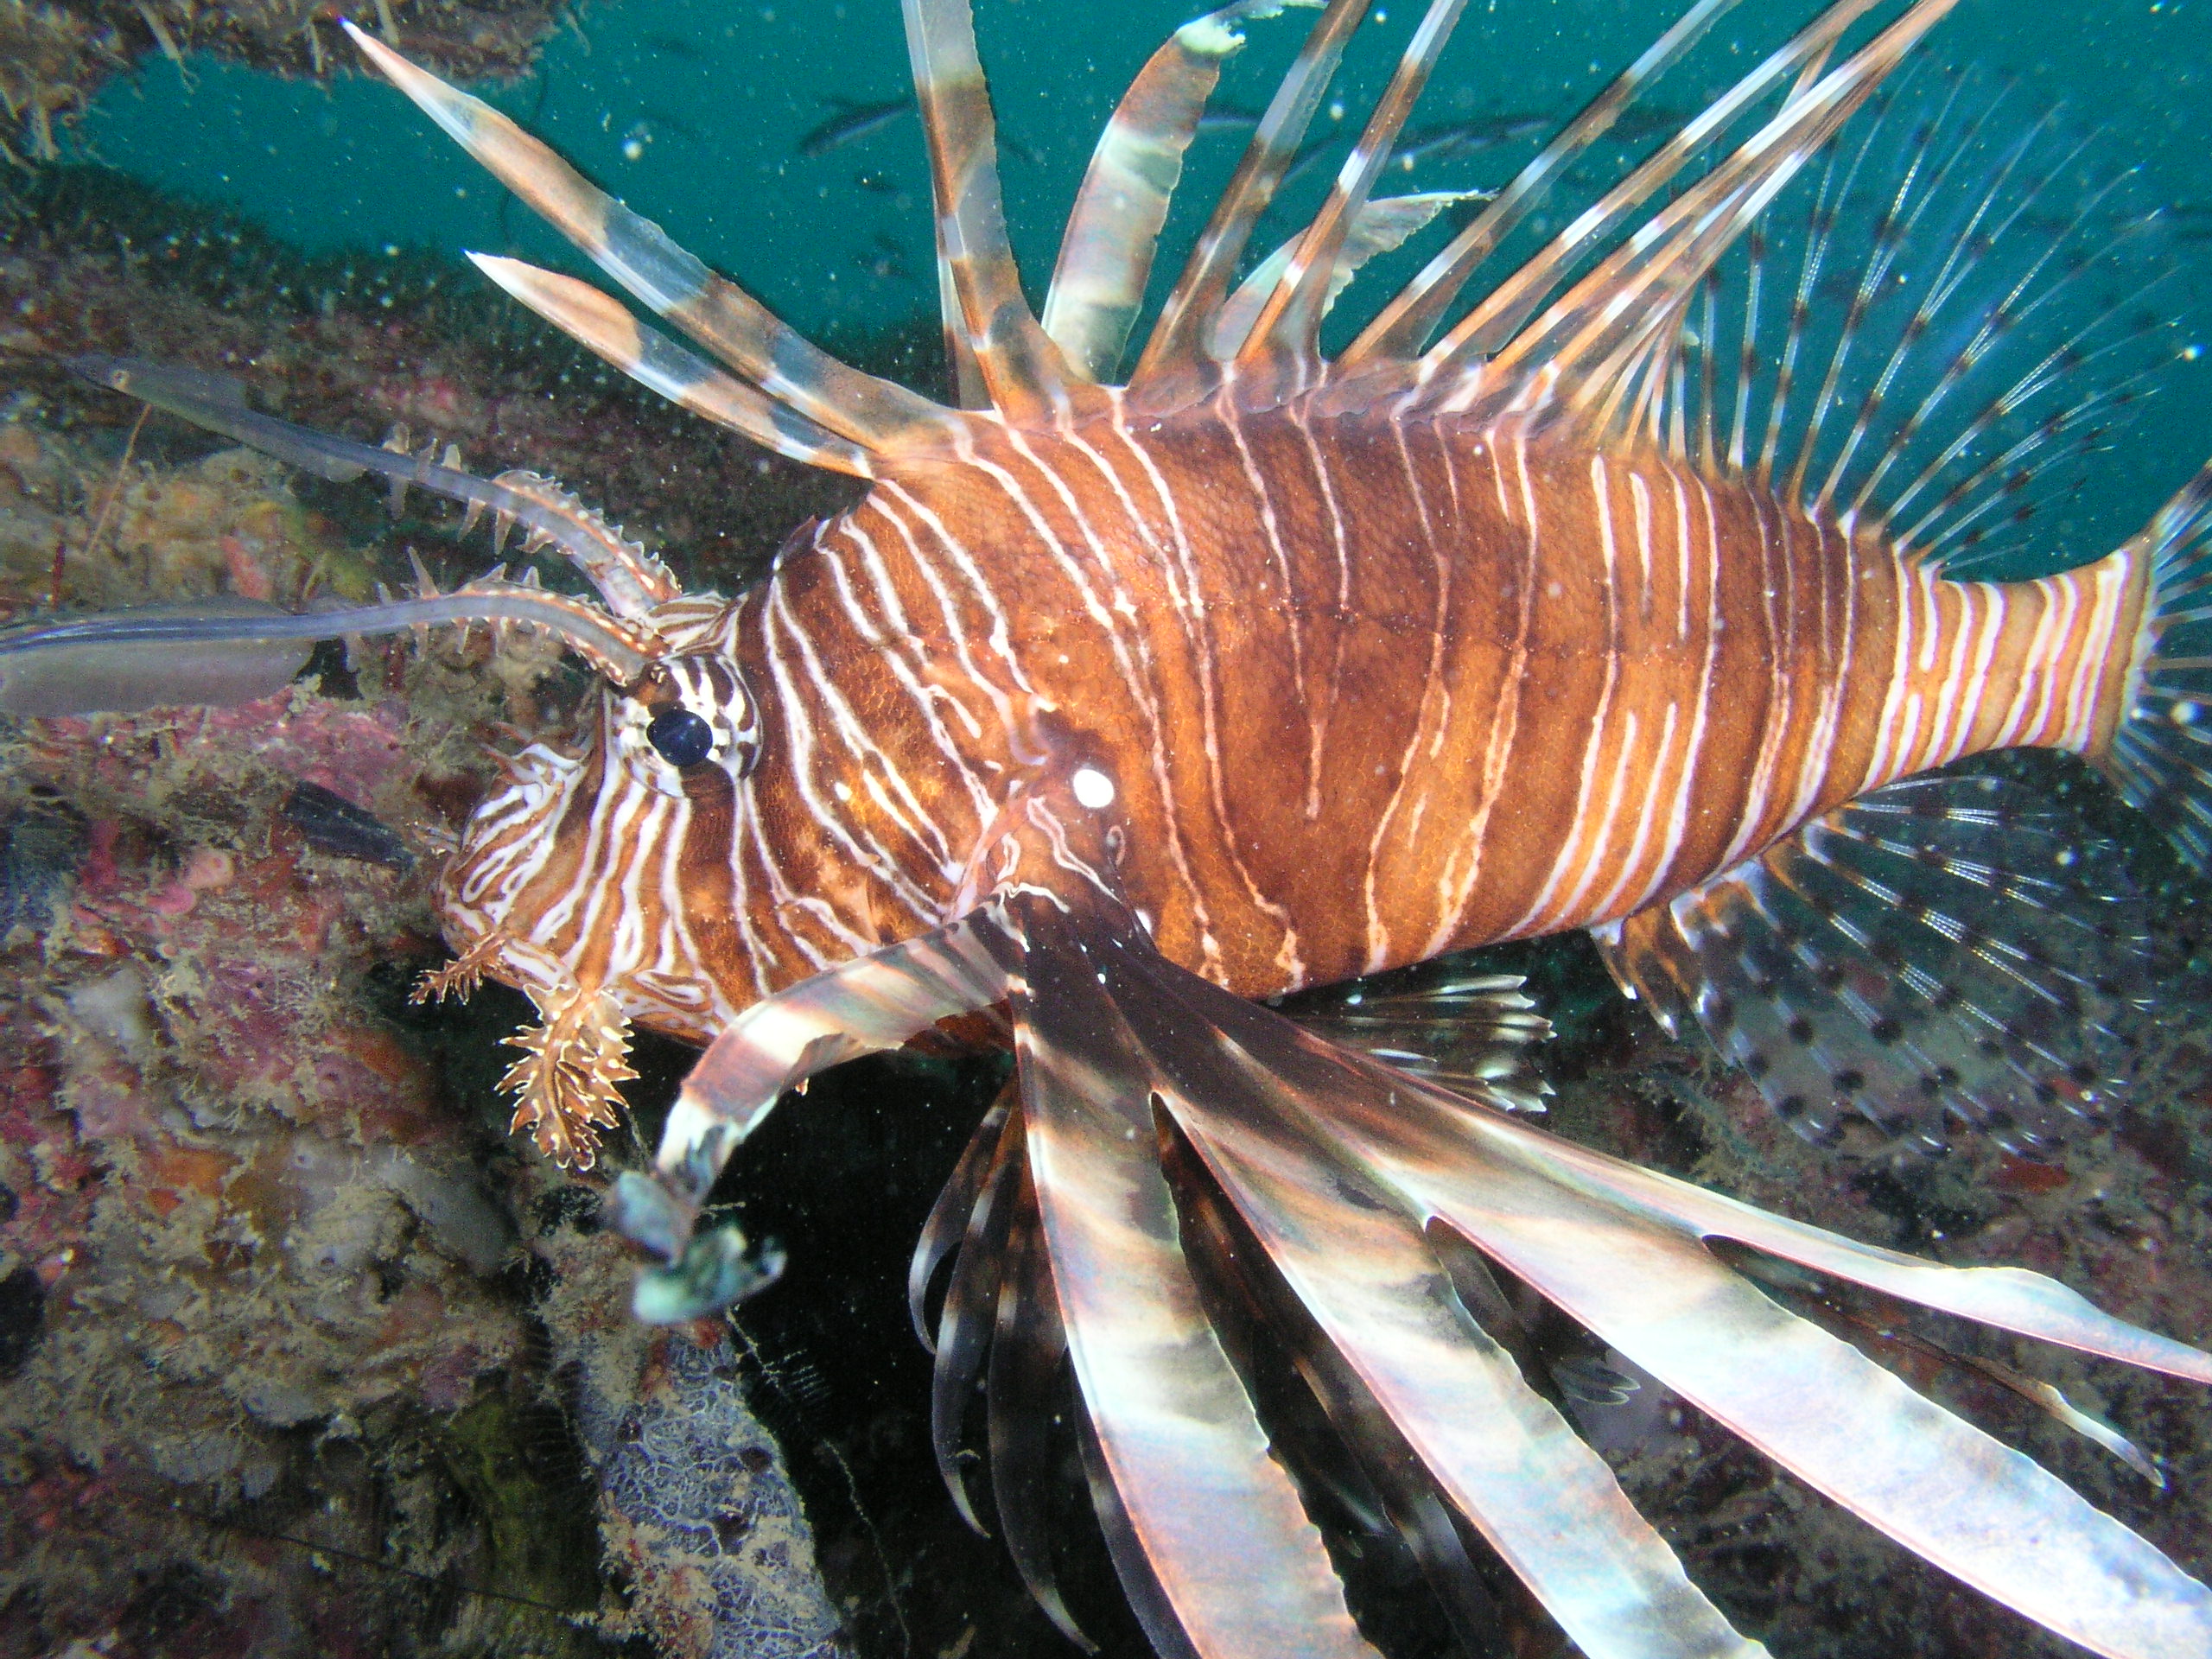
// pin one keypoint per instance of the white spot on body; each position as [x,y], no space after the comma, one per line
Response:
[1093,788]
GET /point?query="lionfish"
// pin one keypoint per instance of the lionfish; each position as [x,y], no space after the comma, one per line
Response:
[1646,594]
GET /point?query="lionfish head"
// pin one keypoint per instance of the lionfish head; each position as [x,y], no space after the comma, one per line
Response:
[566,881]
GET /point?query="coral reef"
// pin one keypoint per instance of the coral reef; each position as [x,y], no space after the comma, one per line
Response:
[293,1340]
[55,55]
[695,1507]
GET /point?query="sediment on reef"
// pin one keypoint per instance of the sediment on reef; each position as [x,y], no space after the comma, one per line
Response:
[56,54]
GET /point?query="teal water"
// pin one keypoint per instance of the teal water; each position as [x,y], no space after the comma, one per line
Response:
[693,111]
[697,112]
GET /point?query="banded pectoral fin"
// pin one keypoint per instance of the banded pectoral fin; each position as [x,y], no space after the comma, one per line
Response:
[1946,950]
[1175,1137]
[874,1003]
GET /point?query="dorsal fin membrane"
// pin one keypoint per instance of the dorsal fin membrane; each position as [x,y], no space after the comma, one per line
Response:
[1996,319]
[1178,343]
[1287,329]
[994,334]
[1499,317]
[729,322]
[1579,341]
[1112,230]
[1496,317]
[1381,224]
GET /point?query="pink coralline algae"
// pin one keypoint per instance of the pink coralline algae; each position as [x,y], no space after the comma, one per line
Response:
[254,1226]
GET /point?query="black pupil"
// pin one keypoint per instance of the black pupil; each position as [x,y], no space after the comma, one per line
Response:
[682,738]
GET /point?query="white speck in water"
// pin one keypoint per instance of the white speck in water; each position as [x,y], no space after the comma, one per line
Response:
[1093,788]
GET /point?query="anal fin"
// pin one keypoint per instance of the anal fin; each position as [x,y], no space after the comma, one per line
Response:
[1944,949]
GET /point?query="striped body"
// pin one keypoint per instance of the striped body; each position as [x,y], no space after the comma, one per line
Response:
[1369,691]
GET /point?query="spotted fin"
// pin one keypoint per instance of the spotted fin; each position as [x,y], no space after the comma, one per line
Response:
[2161,753]
[1926,336]
[1469,1031]
[1945,951]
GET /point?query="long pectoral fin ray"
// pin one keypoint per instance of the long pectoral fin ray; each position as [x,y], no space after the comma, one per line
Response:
[955,1203]
[1620,1249]
[1025,1389]
[966,1321]
[1356,1258]
[1218,1525]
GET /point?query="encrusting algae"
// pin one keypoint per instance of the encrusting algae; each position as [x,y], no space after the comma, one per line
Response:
[281,1317]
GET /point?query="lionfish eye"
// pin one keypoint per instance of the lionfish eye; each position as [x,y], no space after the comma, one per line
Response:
[680,737]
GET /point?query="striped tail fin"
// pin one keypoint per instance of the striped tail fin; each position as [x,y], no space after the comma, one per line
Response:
[2161,753]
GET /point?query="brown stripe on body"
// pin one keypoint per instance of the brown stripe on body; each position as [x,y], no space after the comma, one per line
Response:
[1365,693]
